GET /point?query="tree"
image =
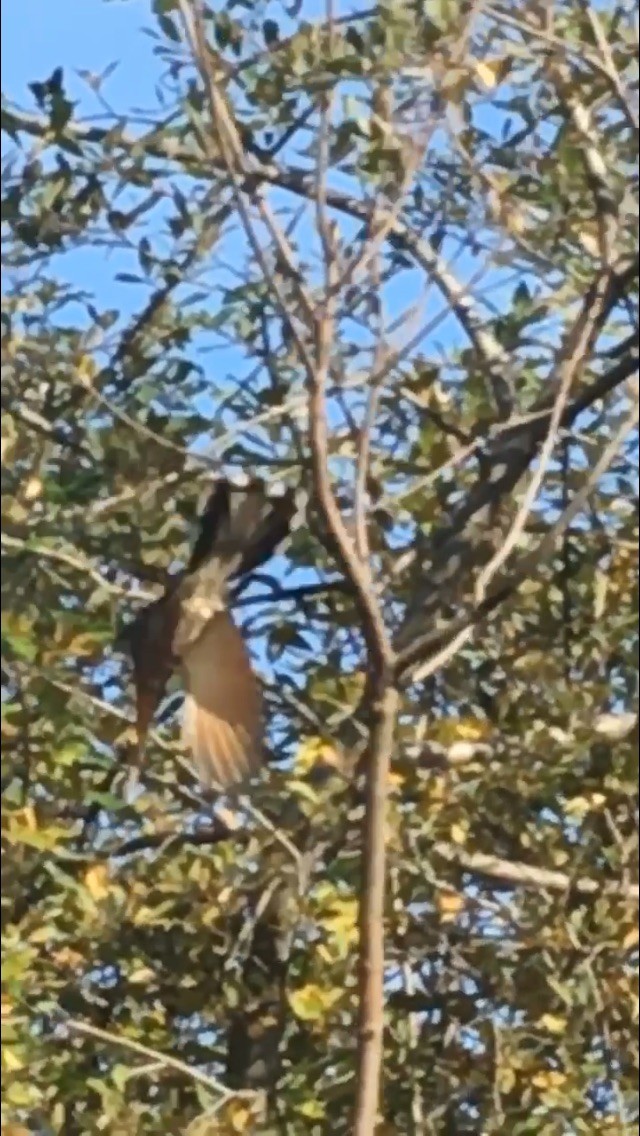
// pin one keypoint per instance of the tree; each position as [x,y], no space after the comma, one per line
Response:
[416,226]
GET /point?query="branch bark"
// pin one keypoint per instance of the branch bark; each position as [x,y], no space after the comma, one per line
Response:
[510,873]
[443,644]
[457,548]
[371,915]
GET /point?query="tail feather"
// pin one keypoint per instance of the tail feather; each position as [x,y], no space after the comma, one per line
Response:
[222,716]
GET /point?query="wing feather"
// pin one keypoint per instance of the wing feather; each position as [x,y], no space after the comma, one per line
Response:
[222,717]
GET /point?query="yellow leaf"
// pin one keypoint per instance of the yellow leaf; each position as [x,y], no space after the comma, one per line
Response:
[86,370]
[553,1023]
[311,1002]
[340,925]
[28,814]
[236,1116]
[549,1079]
[514,219]
[589,242]
[614,727]
[455,84]
[458,833]
[83,644]
[96,881]
[473,729]
[40,935]
[312,1110]
[631,939]
[342,915]
[7,448]
[463,752]
[506,1078]
[579,806]
[396,780]
[141,975]
[316,751]
[450,904]
[10,1059]
[67,958]
[23,829]
[32,489]
[434,794]
[492,71]
[470,729]
[239,1116]
[144,916]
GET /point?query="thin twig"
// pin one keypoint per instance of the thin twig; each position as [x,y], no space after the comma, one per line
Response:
[364,439]
[298,182]
[163,1059]
[76,562]
[573,355]
[231,152]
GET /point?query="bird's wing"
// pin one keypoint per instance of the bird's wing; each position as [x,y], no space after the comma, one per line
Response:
[243,524]
[222,722]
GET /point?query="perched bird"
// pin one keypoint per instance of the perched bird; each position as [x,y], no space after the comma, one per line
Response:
[189,627]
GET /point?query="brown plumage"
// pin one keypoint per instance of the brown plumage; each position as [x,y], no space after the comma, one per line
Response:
[190,629]
[222,716]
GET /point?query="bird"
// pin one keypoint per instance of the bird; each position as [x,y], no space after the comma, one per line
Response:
[190,629]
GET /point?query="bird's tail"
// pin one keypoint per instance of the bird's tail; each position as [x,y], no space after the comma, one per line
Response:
[242,525]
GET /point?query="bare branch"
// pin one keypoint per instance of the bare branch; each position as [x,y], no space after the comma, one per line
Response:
[606,209]
[509,873]
[166,1061]
[447,642]
[41,425]
[572,358]
[170,842]
[458,547]
[298,182]
[230,152]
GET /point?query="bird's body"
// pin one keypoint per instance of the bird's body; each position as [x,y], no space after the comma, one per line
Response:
[189,628]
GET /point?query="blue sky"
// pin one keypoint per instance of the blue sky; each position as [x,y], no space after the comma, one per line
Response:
[39,35]
[91,35]
[82,35]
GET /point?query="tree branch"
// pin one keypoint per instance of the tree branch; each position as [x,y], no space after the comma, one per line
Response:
[170,841]
[458,547]
[510,873]
[445,642]
[302,184]
[162,1059]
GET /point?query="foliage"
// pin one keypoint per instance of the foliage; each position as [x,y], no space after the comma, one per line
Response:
[470,177]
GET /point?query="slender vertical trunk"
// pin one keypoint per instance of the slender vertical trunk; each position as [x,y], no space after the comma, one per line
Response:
[371,920]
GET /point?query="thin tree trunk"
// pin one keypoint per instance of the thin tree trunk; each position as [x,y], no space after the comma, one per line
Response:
[371,918]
